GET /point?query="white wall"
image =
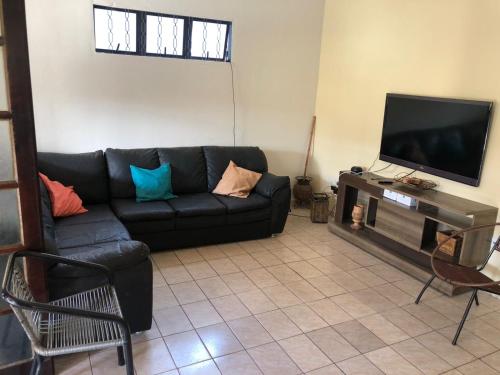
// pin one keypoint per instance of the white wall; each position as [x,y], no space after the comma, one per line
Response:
[85,100]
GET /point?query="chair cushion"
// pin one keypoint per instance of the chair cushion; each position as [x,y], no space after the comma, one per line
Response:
[128,210]
[200,222]
[119,161]
[189,173]
[90,233]
[237,181]
[85,172]
[115,255]
[95,213]
[48,225]
[152,184]
[63,199]
[253,202]
[217,159]
[201,204]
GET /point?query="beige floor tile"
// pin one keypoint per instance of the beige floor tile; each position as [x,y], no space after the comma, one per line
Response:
[286,255]
[281,296]
[305,291]
[105,362]
[163,297]
[388,272]
[238,282]
[391,363]
[324,265]
[484,330]
[469,341]
[347,281]
[175,274]
[304,251]
[343,262]
[187,292]
[186,348]
[421,357]
[231,249]
[245,262]
[406,322]
[187,256]
[150,334]
[305,269]
[262,278]
[214,287]
[493,360]
[165,259]
[304,317]
[445,306]
[73,364]
[152,357]
[394,294]
[328,370]
[237,363]
[413,288]
[272,360]
[329,311]
[323,249]
[219,340]
[352,305]
[442,347]
[278,325]
[202,314]
[249,332]
[326,286]
[252,246]
[304,353]
[288,240]
[224,266]
[271,243]
[202,368]
[359,365]
[284,274]
[362,258]
[200,270]
[172,320]
[333,344]
[367,277]
[230,307]
[266,258]
[211,252]
[158,279]
[477,367]
[374,300]
[359,336]
[256,301]
[431,317]
[384,329]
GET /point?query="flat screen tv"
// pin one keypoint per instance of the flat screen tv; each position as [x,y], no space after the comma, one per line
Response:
[442,137]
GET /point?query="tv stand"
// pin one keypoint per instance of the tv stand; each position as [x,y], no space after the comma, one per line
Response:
[406,236]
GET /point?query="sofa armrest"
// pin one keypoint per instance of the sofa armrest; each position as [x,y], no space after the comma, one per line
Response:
[276,188]
[270,184]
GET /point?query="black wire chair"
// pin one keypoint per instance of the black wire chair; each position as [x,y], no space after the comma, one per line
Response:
[458,275]
[86,321]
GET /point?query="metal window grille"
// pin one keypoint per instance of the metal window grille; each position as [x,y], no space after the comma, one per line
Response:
[134,32]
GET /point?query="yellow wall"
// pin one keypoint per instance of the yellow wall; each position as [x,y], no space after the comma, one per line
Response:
[447,48]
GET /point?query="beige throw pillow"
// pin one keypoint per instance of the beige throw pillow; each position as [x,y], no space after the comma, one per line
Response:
[237,182]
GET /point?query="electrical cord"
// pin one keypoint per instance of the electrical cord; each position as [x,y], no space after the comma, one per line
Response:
[234,104]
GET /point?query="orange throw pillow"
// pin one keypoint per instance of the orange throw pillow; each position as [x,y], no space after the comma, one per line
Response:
[237,182]
[65,202]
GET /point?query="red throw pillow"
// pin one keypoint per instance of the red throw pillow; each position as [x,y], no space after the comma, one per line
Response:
[65,202]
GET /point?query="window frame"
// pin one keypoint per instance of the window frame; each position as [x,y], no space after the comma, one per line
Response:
[141,35]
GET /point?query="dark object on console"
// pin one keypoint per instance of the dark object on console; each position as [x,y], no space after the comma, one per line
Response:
[356,170]
[446,268]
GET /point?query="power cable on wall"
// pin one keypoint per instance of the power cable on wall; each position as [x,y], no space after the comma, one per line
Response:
[234,104]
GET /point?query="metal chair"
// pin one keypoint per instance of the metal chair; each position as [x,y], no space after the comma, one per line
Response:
[458,275]
[86,321]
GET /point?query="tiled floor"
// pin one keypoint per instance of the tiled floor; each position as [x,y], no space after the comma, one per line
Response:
[304,302]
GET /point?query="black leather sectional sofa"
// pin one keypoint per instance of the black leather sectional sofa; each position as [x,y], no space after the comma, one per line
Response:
[119,232]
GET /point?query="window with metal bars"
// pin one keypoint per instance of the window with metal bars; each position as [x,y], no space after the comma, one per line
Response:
[134,32]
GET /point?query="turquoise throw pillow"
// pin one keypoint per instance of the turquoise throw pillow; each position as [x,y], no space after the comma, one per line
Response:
[152,184]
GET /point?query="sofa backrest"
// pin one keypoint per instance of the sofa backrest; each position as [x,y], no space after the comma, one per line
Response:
[119,161]
[189,172]
[87,173]
[218,158]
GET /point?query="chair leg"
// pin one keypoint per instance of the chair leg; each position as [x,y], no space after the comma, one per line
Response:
[121,358]
[36,366]
[424,289]
[477,299]
[466,312]
[129,359]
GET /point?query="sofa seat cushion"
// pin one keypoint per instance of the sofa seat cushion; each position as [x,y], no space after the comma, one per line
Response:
[201,204]
[90,233]
[235,205]
[116,255]
[95,213]
[128,210]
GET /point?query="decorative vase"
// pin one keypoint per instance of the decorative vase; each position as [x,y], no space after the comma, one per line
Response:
[357,216]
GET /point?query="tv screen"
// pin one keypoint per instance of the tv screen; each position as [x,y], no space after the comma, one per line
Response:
[443,137]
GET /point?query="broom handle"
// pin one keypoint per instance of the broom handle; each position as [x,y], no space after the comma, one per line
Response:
[313,127]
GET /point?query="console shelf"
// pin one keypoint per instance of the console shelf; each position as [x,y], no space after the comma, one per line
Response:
[406,236]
